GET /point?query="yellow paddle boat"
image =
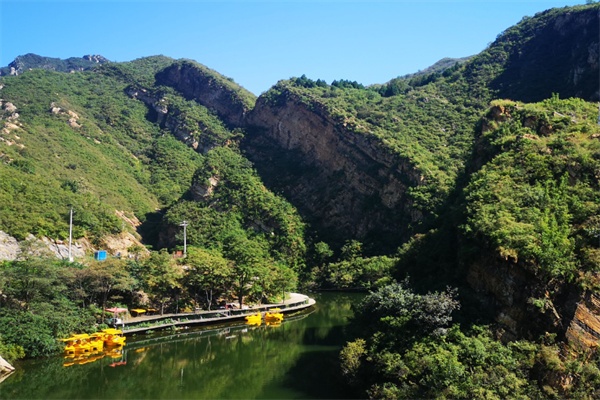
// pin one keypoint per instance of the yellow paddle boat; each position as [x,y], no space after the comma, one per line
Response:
[96,341]
[273,315]
[254,319]
[113,337]
[77,344]
[70,345]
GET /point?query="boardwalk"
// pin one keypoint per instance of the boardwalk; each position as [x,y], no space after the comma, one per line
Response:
[295,302]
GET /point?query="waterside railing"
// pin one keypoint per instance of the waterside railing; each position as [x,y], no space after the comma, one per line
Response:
[209,317]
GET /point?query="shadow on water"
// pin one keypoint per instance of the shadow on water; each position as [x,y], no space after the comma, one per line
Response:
[317,376]
[316,372]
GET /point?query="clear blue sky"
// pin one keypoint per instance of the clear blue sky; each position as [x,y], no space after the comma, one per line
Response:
[258,43]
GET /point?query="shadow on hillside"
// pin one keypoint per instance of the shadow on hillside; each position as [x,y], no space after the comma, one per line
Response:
[151,228]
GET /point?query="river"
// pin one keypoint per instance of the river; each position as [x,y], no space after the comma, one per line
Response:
[297,359]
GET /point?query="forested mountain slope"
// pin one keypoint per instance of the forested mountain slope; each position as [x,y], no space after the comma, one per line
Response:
[362,154]
[499,200]
[117,144]
[482,175]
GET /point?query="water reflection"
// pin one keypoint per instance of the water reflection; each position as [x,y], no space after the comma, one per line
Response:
[297,358]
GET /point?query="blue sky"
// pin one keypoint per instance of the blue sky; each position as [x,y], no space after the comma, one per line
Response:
[258,43]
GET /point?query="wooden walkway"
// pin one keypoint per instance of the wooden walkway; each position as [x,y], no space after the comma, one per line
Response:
[133,325]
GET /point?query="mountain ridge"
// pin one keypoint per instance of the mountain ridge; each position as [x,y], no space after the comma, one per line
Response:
[481,176]
[387,166]
[33,61]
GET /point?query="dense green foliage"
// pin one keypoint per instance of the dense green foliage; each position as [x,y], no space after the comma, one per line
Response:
[94,167]
[240,224]
[411,350]
[352,270]
[37,307]
[536,200]
[532,201]
[116,158]
[428,118]
[43,299]
[505,180]
[78,140]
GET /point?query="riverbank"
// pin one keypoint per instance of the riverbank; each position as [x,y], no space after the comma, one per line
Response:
[141,324]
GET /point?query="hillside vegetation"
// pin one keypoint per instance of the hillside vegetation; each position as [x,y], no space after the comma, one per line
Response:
[116,147]
[464,197]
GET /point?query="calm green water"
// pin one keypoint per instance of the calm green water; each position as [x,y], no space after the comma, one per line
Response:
[296,360]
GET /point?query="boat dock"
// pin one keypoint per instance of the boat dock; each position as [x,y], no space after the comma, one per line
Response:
[296,302]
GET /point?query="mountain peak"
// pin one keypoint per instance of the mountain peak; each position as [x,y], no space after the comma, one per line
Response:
[33,61]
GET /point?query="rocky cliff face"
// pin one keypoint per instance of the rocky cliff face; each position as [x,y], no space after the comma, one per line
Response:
[560,55]
[520,302]
[170,119]
[584,328]
[525,307]
[195,83]
[345,183]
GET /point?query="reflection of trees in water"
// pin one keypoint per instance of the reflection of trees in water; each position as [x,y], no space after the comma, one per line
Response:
[316,373]
[243,362]
[236,364]
[49,378]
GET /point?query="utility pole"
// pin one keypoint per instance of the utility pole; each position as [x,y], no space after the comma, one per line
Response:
[184,224]
[70,234]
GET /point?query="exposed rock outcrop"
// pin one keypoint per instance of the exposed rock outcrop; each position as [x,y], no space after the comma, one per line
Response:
[584,329]
[72,116]
[525,307]
[195,82]
[9,247]
[171,119]
[346,182]
[33,61]
[9,123]
[124,244]
[522,304]
[203,190]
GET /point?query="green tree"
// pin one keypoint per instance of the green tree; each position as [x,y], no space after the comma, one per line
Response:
[459,365]
[250,263]
[108,277]
[404,315]
[208,272]
[11,352]
[279,279]
[31,280]
[163,277]
[352,249]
